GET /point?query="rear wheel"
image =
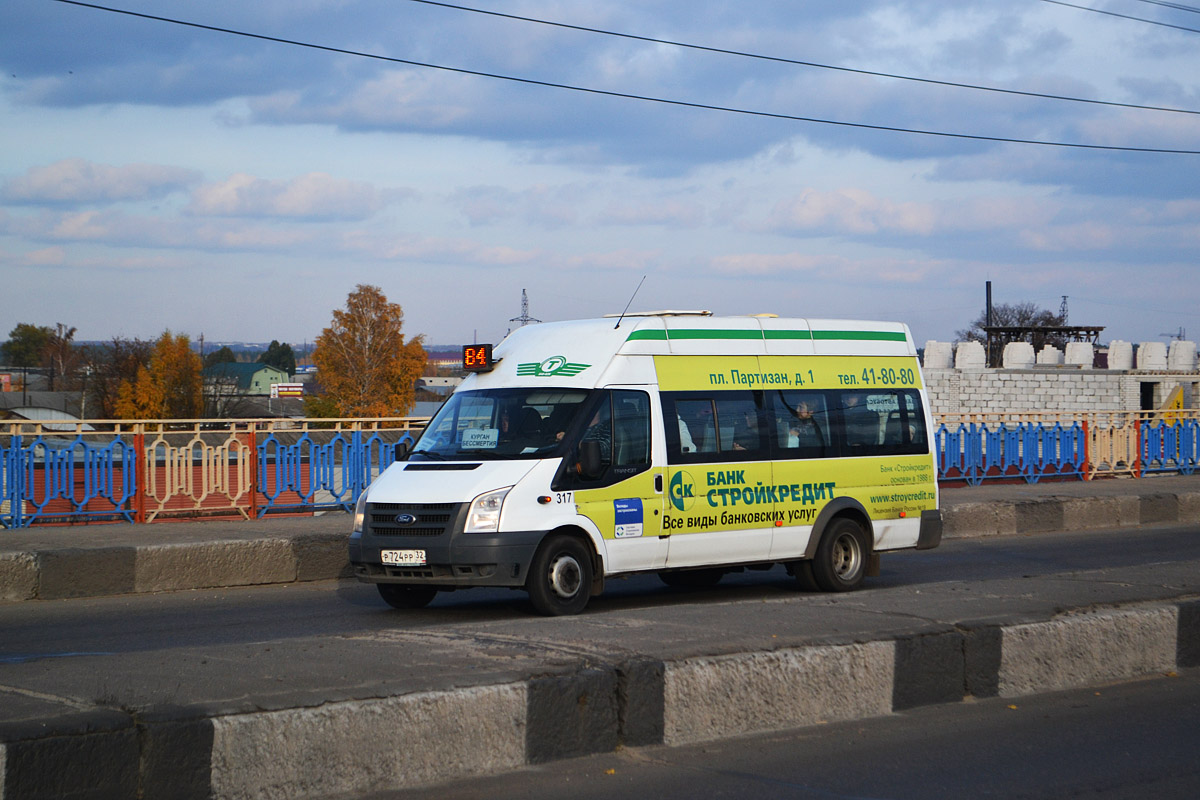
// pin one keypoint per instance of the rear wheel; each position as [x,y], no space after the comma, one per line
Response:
[560,578]
[802,571]
[841,560]
[398,596]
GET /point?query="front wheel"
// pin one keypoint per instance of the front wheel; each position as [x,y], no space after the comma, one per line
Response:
[398,596]
[841,559]
[560,578]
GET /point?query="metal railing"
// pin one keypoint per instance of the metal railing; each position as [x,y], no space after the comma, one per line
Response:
[974,448]
[101,470]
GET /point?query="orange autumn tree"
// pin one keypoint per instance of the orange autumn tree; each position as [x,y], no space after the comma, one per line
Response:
[364,366]
[171,387]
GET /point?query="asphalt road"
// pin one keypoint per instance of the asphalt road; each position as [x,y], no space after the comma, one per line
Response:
[35,631]
[1135,740]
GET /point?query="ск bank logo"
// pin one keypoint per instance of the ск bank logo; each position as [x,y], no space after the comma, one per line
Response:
[682,491]
[555,365]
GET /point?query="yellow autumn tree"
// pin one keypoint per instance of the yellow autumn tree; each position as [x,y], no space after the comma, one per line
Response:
[171,387]
[364,366]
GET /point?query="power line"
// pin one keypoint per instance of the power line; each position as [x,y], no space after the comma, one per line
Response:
[1124,16]
[630,96]
[797,62]
[1176,6]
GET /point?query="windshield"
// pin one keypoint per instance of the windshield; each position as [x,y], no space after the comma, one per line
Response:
[501,424]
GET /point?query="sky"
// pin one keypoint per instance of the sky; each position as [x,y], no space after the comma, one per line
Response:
[157,176]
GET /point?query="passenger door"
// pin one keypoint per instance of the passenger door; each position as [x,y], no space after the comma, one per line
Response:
[624,499]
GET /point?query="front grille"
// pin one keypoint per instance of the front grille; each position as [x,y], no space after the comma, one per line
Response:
[433,519]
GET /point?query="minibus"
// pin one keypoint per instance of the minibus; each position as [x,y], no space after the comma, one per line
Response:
[672,442]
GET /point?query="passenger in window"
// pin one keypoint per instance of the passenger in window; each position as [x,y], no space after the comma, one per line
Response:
[600,430]
[686,443]
[804,430]
[745,431]
[702,430]
[862,424]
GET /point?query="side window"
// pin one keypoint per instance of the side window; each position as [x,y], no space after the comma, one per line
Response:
[904,428]
[883,423]
[723,426]
[631,429]
[801,424]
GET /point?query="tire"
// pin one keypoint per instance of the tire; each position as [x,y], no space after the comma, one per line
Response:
[398,596]
[692,578]
[560,578]
[802,571]
[841,560]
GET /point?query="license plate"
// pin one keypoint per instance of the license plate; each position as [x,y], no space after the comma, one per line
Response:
[406,558]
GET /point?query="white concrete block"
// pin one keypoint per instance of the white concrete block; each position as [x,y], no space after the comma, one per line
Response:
[970,355]
[1080,354]
[1182,356]
[1152,355]
[1050,356]
[938,355]
[1120,355]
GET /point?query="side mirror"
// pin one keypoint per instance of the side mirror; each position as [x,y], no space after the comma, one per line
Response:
[591,466]
[403,448]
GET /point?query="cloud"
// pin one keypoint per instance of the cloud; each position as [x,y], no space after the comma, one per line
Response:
[317,196]
[543,206]
[850,211]
[75,181]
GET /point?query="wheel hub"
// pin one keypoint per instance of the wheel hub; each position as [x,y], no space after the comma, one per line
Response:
[565,576]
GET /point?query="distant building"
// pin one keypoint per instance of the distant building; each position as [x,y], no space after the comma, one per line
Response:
[438,386]
[243,378]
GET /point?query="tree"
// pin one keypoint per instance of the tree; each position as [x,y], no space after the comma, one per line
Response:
[61,357]
[26,345]
[364,364]
[222,356]
[279,356]
[106,367]
[169,388]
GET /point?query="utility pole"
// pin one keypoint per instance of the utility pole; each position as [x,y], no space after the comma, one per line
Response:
[524,319]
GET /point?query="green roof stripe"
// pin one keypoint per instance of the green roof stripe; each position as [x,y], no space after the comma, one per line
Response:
[649,334]
[861,336]
[693,333]
[660,335]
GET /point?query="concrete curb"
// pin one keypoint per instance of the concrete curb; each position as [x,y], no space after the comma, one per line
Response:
[443,735]
[50,573]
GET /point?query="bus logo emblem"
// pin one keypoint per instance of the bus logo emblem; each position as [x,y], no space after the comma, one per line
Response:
[555,366]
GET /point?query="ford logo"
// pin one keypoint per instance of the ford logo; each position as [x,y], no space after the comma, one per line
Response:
[405,519]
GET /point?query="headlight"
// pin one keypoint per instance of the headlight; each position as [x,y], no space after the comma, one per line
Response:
[484,514]
[360,512]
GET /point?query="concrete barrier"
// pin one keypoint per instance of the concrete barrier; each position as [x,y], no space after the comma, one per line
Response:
[398,742]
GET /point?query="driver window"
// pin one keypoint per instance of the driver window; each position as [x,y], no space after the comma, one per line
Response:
[619,427]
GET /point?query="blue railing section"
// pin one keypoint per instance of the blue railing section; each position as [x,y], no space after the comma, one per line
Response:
[323,475]
[48,478]
[92,482]
[1170,447]
[975,452]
